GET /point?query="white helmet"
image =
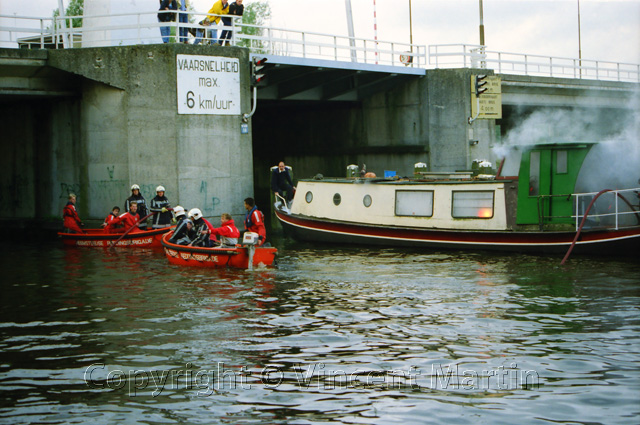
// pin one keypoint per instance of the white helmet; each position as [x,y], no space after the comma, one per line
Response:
[160,189]
[195,213]
[178,211]
[135,186]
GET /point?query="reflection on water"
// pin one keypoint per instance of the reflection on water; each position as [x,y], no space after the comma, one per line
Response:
[347,335]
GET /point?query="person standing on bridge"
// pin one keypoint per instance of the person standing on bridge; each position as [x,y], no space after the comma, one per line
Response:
[164,16]
[183,18]
[235,9]
[220,7]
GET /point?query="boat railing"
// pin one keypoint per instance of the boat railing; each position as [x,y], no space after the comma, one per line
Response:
[544,205]
[614,209]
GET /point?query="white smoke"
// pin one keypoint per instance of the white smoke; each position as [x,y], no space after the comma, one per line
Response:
[613,163]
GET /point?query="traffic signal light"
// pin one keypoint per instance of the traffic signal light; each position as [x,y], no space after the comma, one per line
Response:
[481,82]
[256,68]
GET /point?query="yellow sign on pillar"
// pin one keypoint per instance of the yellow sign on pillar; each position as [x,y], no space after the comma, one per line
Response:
[490,101]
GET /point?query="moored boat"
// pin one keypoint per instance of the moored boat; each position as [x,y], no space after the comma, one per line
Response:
[535,211]
[100,238]
[236,257]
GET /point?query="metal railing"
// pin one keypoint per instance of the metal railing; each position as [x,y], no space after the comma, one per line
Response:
[144,28]
[475,56]
[613,209]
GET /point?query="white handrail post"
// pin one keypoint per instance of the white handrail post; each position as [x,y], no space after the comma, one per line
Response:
[577,211]
[42,32]
[615,195]
[366,60]
[233,32]
[304,46]
[550,67]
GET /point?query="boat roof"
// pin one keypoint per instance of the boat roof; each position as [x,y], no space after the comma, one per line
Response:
[555,145]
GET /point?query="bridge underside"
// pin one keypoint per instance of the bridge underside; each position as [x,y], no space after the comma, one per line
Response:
[26,76]
[313,79]
[518,90]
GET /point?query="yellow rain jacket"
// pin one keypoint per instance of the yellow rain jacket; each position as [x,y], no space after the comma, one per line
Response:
[217,9]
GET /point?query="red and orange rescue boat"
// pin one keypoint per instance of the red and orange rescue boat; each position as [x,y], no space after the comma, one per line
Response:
[102,239]
[236,257]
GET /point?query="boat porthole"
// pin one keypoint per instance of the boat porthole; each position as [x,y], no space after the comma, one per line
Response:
[308,197]
[337,199]
[366,200]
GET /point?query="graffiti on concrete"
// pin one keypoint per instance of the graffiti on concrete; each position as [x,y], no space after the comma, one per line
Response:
[67,188]
[209,203]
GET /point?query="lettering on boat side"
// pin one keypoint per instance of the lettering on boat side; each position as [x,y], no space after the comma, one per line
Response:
[128,242]
[314,375]
[89,243]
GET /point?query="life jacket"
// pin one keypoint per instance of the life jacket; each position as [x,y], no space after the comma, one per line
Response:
[254,222]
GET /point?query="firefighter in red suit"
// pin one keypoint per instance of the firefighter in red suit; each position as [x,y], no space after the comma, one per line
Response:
[70,216]
[129,219]
[228,231]
[254,220]
[115,212]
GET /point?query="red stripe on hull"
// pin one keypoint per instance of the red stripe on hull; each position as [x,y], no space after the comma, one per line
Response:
[98,238]
[305,228]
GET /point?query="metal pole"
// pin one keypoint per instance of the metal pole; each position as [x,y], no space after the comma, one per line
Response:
[375,29]
[410,28]
[352,41]
[64,26]
[481,26]
[579,43]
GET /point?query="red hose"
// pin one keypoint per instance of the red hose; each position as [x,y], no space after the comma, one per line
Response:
[584,218]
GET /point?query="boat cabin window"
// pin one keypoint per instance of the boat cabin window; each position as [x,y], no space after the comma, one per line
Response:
[337,199]
[416,203]
[561,162]
[534,173]
[472,204]
[308,197]
[366,201]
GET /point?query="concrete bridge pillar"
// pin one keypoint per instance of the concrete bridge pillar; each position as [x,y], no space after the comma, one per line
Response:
[123,126]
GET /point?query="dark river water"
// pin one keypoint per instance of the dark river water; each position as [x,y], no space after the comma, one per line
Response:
[340,335]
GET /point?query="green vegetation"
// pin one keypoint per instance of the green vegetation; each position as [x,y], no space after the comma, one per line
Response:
[255,13]
[75,8]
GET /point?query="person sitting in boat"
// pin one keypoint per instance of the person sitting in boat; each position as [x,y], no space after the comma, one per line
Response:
[160,206]
[200,229]
[281,182]
[183,227]
[212,239]
[71,220]
[115,212]
[136,197]
[254,220]
[129,219]
[228,231]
